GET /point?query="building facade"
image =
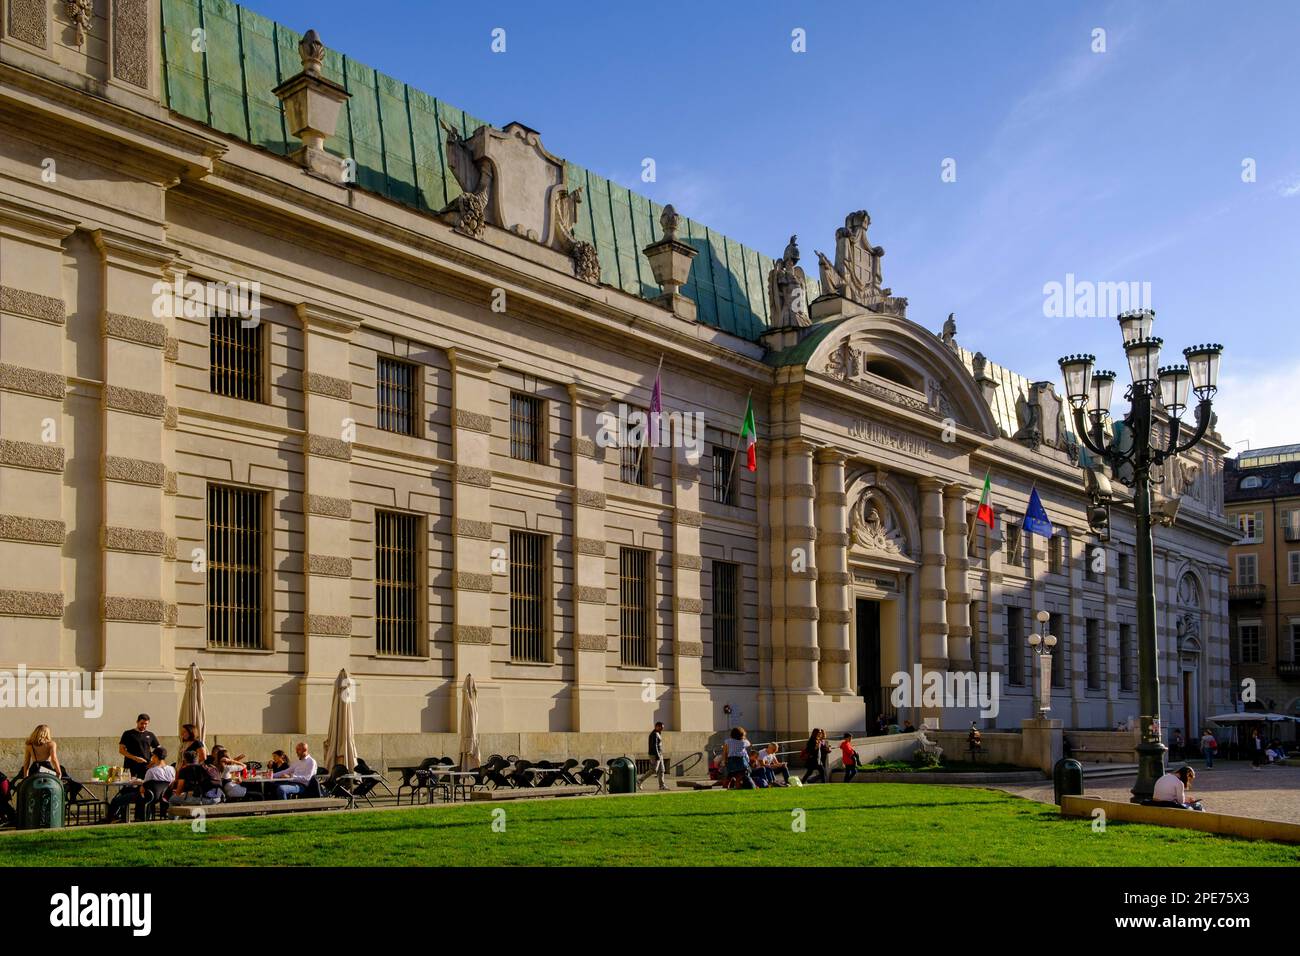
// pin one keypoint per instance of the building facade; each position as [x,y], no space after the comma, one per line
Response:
[284,394]
[1262,498]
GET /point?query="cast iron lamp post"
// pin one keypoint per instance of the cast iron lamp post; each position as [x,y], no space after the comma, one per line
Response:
[1042,645]
[1132,461]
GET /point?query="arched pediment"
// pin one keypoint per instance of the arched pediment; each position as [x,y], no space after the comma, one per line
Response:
[899,362]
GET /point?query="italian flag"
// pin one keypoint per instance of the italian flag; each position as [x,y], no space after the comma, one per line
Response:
[985,512]
[749,435]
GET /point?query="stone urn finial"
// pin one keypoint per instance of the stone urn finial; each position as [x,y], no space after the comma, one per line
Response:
[668,220]
[312,52]
[312,105]
[670,261]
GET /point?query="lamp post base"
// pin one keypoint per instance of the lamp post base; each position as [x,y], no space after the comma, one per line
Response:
[1151,767]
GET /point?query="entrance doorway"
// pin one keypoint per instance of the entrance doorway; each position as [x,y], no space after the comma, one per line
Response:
[868,661]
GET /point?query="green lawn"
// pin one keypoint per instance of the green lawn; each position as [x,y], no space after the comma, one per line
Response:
[857,825]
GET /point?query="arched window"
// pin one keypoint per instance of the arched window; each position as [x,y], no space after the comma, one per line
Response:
[890,370]
[1253,481]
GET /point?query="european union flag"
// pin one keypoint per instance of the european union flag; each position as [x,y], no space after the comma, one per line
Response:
[1036,520]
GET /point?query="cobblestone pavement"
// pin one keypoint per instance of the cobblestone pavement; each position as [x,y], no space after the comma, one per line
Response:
[1272,793]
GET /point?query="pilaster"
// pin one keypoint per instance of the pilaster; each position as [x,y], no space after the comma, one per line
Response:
[33,527]
[472,536]
[956,581]
[934,594]
[592,703]
[134,474]
[692,706]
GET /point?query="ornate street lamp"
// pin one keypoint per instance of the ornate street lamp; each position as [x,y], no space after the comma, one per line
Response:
[1133,463]
[1042,645]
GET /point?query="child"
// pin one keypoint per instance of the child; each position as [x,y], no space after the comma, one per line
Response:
[848,758]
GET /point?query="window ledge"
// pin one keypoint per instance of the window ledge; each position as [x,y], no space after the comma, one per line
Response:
[240,650]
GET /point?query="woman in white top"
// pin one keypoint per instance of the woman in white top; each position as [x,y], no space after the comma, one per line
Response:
[229,766]
[736,750]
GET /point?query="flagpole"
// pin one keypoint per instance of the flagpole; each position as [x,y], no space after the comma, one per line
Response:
[640,451]
[1021,542]
[735,456]
[970,534]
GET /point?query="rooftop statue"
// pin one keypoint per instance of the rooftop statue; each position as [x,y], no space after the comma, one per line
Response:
[474,176]
[668,220]
[856,272]
[785,285]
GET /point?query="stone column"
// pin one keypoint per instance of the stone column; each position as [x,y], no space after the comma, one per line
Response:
[934,595]
[801,578]
[833,641]
[33,527]
[327,496]
[767,666]
[779,564]
[592,705]
[137,650]
[956,567]
[471,453]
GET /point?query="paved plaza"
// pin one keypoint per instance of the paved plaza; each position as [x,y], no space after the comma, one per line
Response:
[1228,787]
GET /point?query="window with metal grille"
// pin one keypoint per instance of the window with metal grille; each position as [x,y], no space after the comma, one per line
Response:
[1124,570]
[976,650]
[1015,646]
[396,390]
[635,456]
[1056,627]
[526,427]
[235,357]
[236,561]
[724,475]
[528,600]
[635,589]
[397,584]
[1094,654]
[1017,553]
[1056,553]
[1295,642]
[1251,647]
[726,616]
[1126,657]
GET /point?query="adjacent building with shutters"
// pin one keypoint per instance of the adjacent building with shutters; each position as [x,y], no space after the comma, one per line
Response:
[1261,491]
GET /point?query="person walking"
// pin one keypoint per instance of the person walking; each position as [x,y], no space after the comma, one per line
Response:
[1209,746]
[817,752]
[656,749]
[848,758]
[1257,757]
[736,750]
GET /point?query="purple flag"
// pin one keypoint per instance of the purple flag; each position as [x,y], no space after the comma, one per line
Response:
[656,409]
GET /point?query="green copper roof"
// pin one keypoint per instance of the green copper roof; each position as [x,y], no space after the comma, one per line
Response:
[392,131]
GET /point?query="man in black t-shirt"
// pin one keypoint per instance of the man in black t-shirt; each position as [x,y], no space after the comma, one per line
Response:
[136,746]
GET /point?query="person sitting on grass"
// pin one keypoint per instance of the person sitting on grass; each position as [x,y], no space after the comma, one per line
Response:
[848,758]
[774,766]
[1171,790]
[198,783]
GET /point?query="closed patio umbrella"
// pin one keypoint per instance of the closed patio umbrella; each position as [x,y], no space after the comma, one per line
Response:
[340,742]
[470,754]
[192,702]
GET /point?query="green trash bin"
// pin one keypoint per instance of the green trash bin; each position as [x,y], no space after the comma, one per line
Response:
[622,775]
[1067,779]
[40,802]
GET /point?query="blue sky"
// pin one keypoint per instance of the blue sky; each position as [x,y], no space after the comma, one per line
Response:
[1116,166]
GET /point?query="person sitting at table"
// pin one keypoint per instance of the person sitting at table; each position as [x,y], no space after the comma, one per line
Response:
[228,766]
[136,746]
[297,776]
[158,772]
[41,752]
[198,783]
[279,761]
